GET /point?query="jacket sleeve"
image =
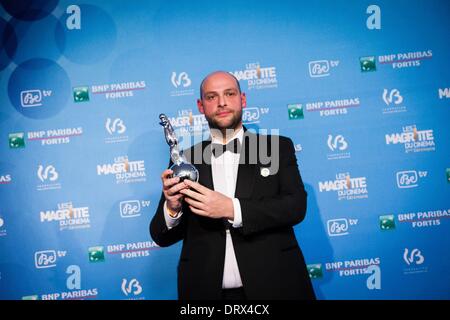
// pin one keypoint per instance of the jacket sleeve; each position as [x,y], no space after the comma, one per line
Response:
[285,209]
[158,227]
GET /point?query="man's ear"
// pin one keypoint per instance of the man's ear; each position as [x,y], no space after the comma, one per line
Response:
[243,99]
[200,106]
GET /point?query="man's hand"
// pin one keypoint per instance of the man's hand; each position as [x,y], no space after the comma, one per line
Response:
[171,190]
[206,202]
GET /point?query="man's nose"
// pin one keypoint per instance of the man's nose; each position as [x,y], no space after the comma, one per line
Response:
[222,101]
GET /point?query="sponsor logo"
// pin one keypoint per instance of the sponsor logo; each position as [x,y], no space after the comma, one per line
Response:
[125,171]
[48,173]
[387,222]
[373,22]
[34,297]
[399,60]
[253,115]
[392,96]
[405,59]
[68,216]
[73,22]
[33,98]
[131,287]
[340,227]
[181,82]
[356,267]
[410,178]
[414,259]
[351,267]
[347,188]
[48,176]
[374,280]
[118,90]
[54,136]
[368,64]
[181,79]
[393,100]
[132,208]
[72,295]
[81,94]
[16,140]
[315,271]
[338,145]
[74,279]
[47,258]
[132,250]
[414,140]
[423,219]
[332,107]
[295,111]
[116,129]
[96,254]
[115,126]
[257,77]
[321,68]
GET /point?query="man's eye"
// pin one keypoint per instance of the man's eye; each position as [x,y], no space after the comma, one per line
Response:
[230,94]
[210,97]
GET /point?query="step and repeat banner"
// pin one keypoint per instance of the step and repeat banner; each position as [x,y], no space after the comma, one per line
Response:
[361,87]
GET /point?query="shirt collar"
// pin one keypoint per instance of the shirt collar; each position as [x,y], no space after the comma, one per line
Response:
[237,135]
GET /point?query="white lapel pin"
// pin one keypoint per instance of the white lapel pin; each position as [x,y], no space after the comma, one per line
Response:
[265,172]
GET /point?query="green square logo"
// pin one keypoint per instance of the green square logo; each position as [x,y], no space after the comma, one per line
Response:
[96,254]
[16,140]
[387,222]
[315,271]
[368,64]
[35,297]
[81,94]
[448,174]
[295,111]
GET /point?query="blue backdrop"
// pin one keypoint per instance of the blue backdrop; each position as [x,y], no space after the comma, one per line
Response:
[361,87]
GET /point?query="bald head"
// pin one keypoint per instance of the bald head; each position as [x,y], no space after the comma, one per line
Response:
[217,73]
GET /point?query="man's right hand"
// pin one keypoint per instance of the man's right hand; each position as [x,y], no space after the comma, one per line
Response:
[171,189]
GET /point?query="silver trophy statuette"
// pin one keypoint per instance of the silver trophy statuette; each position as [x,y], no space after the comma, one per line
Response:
[181,167]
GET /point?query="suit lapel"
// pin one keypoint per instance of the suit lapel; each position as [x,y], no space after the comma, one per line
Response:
[246,170]
[205,169]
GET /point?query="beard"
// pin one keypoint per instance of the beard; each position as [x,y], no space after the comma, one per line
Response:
[231,123]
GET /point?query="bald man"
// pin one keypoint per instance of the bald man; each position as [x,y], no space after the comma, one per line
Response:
[236,222]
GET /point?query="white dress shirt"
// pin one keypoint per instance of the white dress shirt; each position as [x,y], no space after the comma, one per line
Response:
[224,173]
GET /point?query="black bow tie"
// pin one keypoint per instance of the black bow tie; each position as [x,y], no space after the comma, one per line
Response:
[233,146]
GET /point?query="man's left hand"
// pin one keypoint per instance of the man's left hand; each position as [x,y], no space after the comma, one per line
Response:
[206,202]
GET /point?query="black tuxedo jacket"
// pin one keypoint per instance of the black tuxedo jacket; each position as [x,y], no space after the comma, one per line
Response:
[270,261]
